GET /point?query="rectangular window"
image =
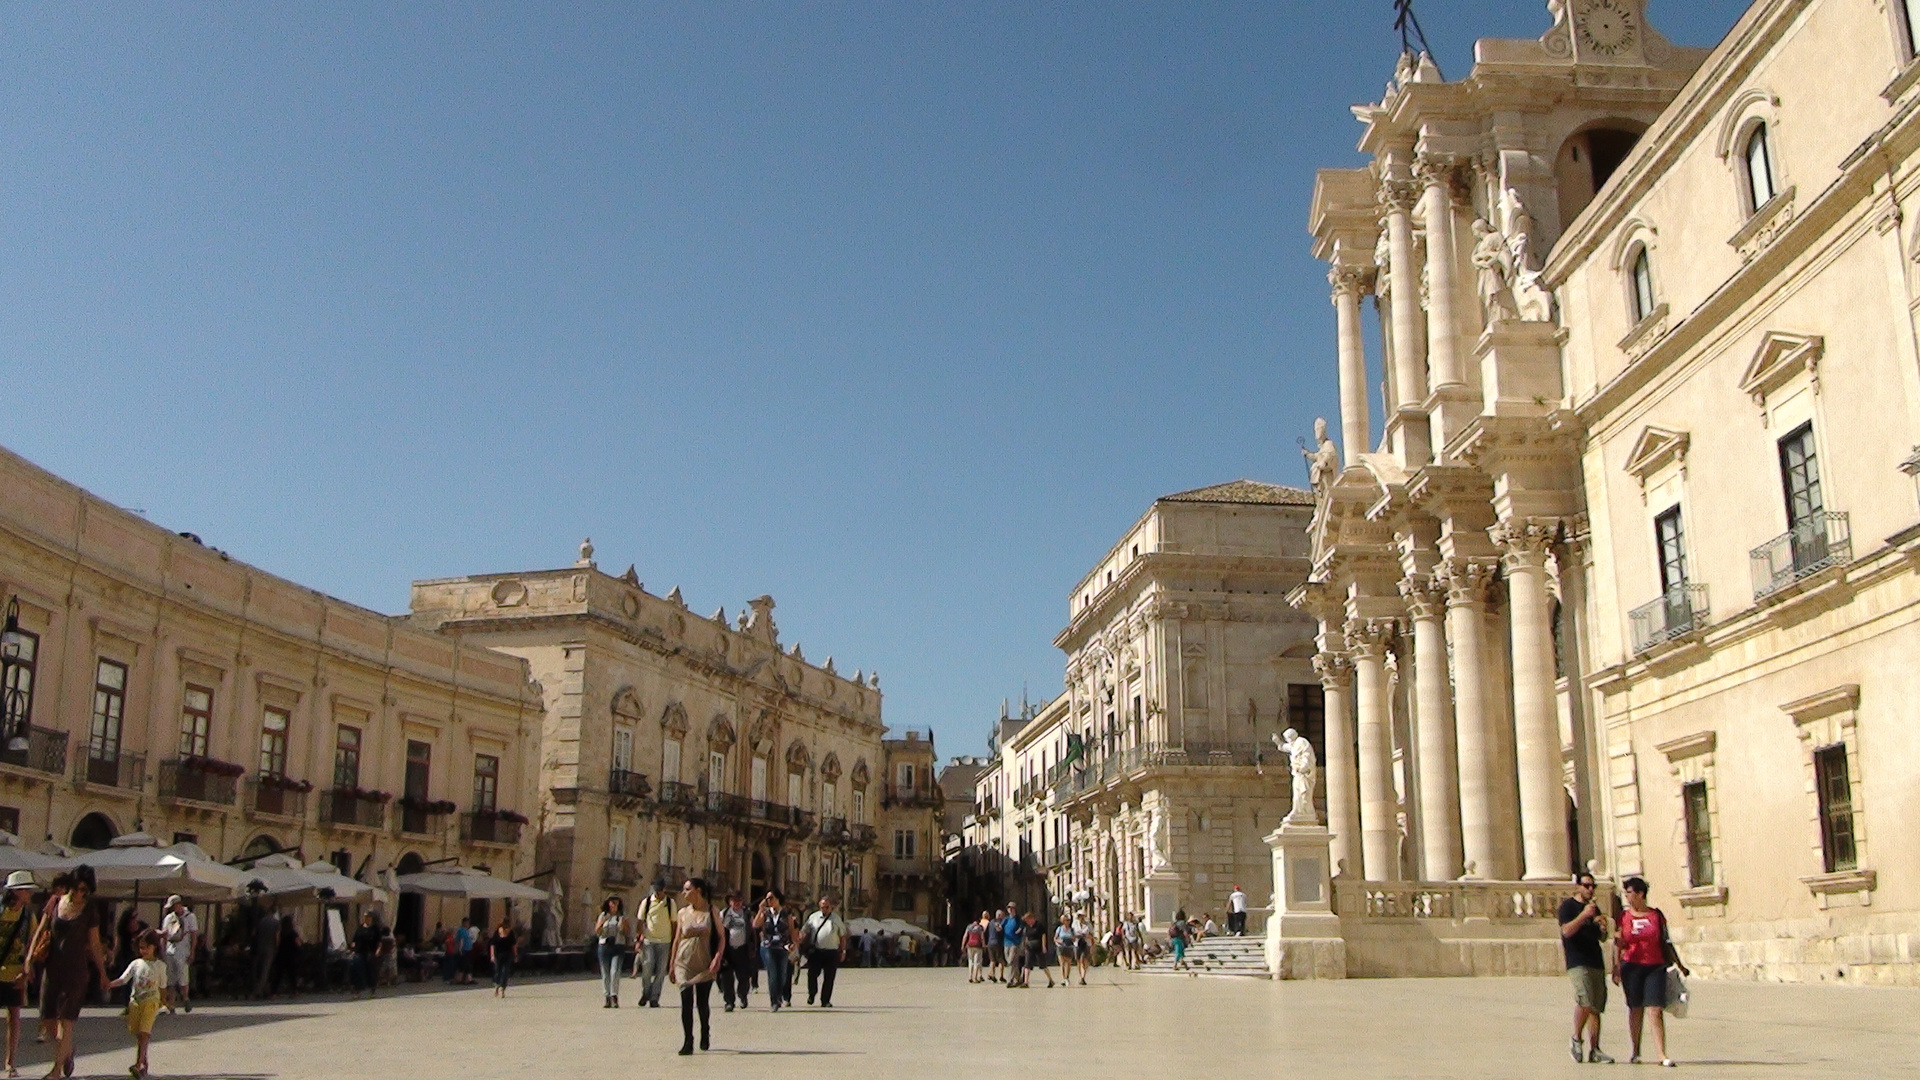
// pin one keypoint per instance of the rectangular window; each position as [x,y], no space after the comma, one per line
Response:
[792,869]
[859,806]
[906,777]
[902,900]
[19,688]
[109,710]
[666,849]
[1671,537]
[10,819]
[670,761]
[1800,476]
[419,779]
[623,749]
[796,789]
[273,741]
[713,856]
[346,757]
[617,841]
[716,771]
[904,841]
[757,781]
[1835,790]
[829,799]
[486,782]
[1699,834]
[1307,714]
[196,719]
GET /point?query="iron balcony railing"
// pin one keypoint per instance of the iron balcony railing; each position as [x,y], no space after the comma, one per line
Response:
[803,823]
[769,813]
[1816,542]
[675,798]
[481,827]
[423,817]
[188,779]
[627,784]
[833,831]
[619,873]
[725,804]
[45,751]
[1679,611]
[110,767]
[863,836]
[271,796]
[353,808]
[908,866]
[918,795]
[673,876]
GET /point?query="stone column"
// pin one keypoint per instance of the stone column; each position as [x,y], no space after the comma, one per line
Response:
[1437,175]
[1349,284]
[1434,761]
[1410,366]
[1536,719]
[1341,776]
[1379,817]
[1466,620]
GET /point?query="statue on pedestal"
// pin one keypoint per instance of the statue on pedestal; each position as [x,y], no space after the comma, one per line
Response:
[1323,462]
[1306,775]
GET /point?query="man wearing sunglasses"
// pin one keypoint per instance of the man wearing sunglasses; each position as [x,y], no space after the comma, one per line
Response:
[1583,933]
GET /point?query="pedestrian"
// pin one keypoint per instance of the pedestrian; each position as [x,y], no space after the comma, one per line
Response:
[824,937]
[1640,962]
[502,947]
[1135,939]
[146,980]
[1208,928]
[1177,933]
[468,937]
[67,944]
[1013,938]
[1063,950]
[361,970]
[286,961]
[1237,912]
[266,946]
[1082,945]
[696,958]
[179,935]
[974,940]
[1037,943]
[736,970]
[996,948]
[611,933]
[16,934]
[1583,930]
[773,921]
[655,927]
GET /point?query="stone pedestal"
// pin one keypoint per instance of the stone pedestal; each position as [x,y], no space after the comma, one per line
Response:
[1303,934]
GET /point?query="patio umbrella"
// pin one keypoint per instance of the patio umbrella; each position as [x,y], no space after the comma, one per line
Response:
[467,883]
[137,863]
[14,857]
[901,926]
[864,925]
[286,879]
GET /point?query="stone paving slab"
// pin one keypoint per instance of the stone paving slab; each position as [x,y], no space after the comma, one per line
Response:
[931,1023]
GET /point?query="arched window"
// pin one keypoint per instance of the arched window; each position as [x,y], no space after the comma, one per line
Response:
[1642,286]
[1759,156]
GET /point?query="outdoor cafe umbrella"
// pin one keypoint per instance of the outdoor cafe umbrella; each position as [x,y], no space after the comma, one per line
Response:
[286,879]
[137,863]
[467,883]
[14,857]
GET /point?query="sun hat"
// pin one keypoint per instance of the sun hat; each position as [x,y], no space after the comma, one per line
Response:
[173,900]
[20,879]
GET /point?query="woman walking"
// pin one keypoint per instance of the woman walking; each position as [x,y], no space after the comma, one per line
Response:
[736,971]
[696,958]
[774,923]
[974,940]
[16,934]
[68,946]
[611,932]
[501,949]
[1640,966]
[1177,932]
[1063,949]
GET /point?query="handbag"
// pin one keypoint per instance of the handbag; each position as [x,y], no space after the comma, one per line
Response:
[1677,994]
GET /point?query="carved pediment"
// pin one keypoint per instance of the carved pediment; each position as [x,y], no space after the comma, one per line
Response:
[626,704]
[1655,449]
[860,775]
[797,754]
[674,719]
[720,732]
[830,767]
[1780,357]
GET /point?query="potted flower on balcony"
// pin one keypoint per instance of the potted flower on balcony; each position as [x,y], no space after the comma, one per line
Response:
[417,813]
[211,766]
[280,782]
[205,779]
[427,806]
[511,816]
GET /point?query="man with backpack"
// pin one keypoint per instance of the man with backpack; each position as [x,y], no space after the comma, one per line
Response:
[656,942]
[824,940]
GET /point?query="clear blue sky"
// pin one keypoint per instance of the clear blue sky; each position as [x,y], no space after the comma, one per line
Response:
[901,312]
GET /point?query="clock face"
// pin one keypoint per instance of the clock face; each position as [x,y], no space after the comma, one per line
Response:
[1606,27]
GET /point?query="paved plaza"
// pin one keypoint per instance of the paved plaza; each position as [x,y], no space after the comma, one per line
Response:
[916,1022]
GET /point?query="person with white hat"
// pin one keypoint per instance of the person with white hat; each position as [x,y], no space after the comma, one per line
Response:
[16,931]
[179,935]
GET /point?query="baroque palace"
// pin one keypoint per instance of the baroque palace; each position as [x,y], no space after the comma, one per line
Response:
[1616,562]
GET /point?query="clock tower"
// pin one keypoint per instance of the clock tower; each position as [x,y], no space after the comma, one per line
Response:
[1601,31]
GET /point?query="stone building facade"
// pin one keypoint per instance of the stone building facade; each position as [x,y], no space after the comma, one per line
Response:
[909,875]
[678,745]
[1625,577]
[160,685]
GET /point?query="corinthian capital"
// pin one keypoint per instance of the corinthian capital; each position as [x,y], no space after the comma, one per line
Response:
[1334,669]
[1466,580]
[1426,597]
[1368,639]
[1351,280]
[1525,542]
[1398,196]
[1440,170]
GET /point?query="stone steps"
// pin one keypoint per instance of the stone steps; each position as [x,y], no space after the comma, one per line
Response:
[1242,956]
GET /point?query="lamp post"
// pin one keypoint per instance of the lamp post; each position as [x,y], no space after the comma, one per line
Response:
[15,705]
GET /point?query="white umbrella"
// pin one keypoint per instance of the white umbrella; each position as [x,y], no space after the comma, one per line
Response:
[901,926]
[14,857]
[136,860]
[864,925]
[284,877]
[467,883]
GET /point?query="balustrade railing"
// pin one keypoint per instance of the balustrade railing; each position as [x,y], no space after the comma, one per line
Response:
[1679,611]
[1497,901]
[42,750]
[1816,542]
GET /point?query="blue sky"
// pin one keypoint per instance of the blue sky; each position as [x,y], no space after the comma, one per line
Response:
[901,312]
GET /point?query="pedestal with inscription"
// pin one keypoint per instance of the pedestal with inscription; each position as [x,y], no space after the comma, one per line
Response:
[1303,935]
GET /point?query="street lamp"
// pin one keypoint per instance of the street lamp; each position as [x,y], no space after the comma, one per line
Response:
[16,697]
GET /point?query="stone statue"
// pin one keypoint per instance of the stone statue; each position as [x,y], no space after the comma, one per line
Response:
[1323,462]
[1157,835]
[1494,261]
[1306,774]
[1531,299]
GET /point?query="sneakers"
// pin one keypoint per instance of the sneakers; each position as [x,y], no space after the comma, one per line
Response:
[1666,1063]
[1597,1056]
[1579,1054]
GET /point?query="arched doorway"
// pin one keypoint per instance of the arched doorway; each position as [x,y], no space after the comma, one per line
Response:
[260,847]
[408,919]
[93,833]
[757,880]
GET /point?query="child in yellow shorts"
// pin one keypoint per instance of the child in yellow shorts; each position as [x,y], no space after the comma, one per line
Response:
[148,977]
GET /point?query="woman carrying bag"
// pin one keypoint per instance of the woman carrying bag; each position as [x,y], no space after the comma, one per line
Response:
[1642,954]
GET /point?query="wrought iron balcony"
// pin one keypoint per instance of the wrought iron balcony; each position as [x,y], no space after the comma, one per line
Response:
[761,811]
[625,785]
[619,873]
[1815,543]
[1679,611]
[44,750]
[353,808]
[674,876]
[863,837]
[424,817]
[918,795]
[110,767]
[833,831]
[803,823]
[490,827]
[277,796]
[908,866]
[199,780]
[724,805]
[675,799]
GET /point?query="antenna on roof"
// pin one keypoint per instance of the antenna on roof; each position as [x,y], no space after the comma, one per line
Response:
[1405,21]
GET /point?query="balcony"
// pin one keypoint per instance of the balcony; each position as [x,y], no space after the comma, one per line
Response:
[45,752]
[673,875]
[1678,612]
[763,812]
[275,796]
[1818,542]
[627,788]
[675,799]
[724,805]
[859,899]
[354,808]
[619,873]
[908,866]
[833,831]
[917,795]
[499,828]
[424,817]
[200,780]
[863,837]
[803,823]
[110,769]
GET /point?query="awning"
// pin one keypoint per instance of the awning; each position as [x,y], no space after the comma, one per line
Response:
[137,864]
[285,879]
[467,883]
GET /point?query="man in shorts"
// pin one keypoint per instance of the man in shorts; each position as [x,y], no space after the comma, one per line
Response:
[179,936]
[1583,933]
[996,946]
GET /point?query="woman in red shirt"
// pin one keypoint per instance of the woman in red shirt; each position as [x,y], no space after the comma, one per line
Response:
[1643,953]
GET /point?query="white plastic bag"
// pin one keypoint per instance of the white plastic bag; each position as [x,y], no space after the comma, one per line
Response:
[1677,994]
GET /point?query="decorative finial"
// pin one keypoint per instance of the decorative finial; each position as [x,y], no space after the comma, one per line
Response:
[586,553]
[631,577]
[674,597]
[720,615]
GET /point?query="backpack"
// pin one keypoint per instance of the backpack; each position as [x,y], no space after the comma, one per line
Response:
[976,937]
